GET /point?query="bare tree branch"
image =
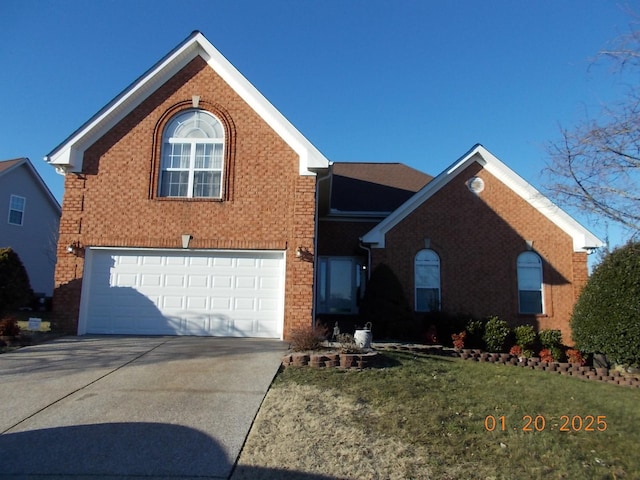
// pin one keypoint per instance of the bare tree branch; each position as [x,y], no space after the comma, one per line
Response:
[595,167]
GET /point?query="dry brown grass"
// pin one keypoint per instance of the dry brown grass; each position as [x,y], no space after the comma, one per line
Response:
[425,418]
[314,431]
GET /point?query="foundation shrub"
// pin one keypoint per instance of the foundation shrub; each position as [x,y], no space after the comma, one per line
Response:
[552,340]
[606,317]
[475,331]
[525,336]
[496,333]
[308,337]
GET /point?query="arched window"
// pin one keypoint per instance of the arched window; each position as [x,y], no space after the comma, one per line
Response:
[427,281]
[192,156]
[530,283]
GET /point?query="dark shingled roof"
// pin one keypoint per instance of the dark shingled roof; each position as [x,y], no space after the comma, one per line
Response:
[373,187]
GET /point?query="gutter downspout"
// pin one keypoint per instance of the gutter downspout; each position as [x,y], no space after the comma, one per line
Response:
[368,250]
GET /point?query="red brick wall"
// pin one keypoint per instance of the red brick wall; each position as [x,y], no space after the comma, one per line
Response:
[478,239]
[342,237]
[267,205]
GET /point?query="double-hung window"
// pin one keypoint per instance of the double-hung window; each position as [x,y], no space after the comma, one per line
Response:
[192,156]
[530,283]
[16,210]
[427,281]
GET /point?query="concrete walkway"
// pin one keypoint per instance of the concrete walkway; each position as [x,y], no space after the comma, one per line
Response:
[121,407]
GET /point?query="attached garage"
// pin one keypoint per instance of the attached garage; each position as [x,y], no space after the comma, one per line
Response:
[178,292]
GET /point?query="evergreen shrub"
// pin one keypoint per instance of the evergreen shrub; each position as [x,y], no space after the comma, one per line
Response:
[606,317]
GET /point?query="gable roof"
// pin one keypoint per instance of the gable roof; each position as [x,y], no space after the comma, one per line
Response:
[68,155]
[583,240]
[7,166]
[365,188]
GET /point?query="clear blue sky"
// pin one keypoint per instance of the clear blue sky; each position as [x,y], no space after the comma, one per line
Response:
[414,81]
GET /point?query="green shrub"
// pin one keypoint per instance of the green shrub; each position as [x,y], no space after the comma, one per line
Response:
[15,289]
[386,307]
[496,332]
[606,317]
[525,336]
[475,331]
[552,340]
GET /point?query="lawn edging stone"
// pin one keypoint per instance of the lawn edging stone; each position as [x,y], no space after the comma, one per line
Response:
[371,359]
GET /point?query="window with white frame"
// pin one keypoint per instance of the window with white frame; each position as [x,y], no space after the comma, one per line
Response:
[340,283]
[427,281]
[192,156]
[16,209]
[530,283]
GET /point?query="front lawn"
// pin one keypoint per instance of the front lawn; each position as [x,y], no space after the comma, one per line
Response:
[430,417]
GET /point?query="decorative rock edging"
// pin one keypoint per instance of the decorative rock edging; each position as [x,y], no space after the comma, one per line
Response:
[373,359]
[570,369]
[332,359]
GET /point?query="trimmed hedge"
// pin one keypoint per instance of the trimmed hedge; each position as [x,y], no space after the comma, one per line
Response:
[606,317]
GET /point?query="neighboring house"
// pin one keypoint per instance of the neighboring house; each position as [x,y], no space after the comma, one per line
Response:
[192,206]
[30,217]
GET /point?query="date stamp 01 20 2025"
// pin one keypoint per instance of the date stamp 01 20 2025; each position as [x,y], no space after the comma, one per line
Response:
[538,423]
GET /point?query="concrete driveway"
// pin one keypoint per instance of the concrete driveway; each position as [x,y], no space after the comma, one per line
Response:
[121,407]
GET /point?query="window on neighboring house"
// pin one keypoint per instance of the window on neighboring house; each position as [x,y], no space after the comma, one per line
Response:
[192,156]
[427,281]
[530,283]
[16,209]
[340,283]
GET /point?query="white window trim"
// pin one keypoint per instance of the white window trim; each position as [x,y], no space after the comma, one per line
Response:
[415,282]
[191,169]
[11,209]
[539,267]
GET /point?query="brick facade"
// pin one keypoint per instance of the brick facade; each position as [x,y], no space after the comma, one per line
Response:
[478,238]
[267,204]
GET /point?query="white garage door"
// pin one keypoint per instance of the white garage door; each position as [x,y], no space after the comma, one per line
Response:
[146,292]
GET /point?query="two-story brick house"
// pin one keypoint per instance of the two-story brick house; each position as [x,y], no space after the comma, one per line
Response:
[192,206]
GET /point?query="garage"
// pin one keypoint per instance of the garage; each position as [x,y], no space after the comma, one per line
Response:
[177,292]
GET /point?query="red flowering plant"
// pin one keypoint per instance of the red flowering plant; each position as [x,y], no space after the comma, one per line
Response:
[458,339]
[546,355]
[516,350]
[574,356]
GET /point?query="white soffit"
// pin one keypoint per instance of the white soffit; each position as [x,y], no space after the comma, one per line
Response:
[68,155]
[583,240]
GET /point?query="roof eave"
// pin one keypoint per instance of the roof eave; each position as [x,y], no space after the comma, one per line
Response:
[68,156]
[583,239]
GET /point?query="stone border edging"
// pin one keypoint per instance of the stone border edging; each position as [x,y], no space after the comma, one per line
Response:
[332,359]
[570,369]
[372,359]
